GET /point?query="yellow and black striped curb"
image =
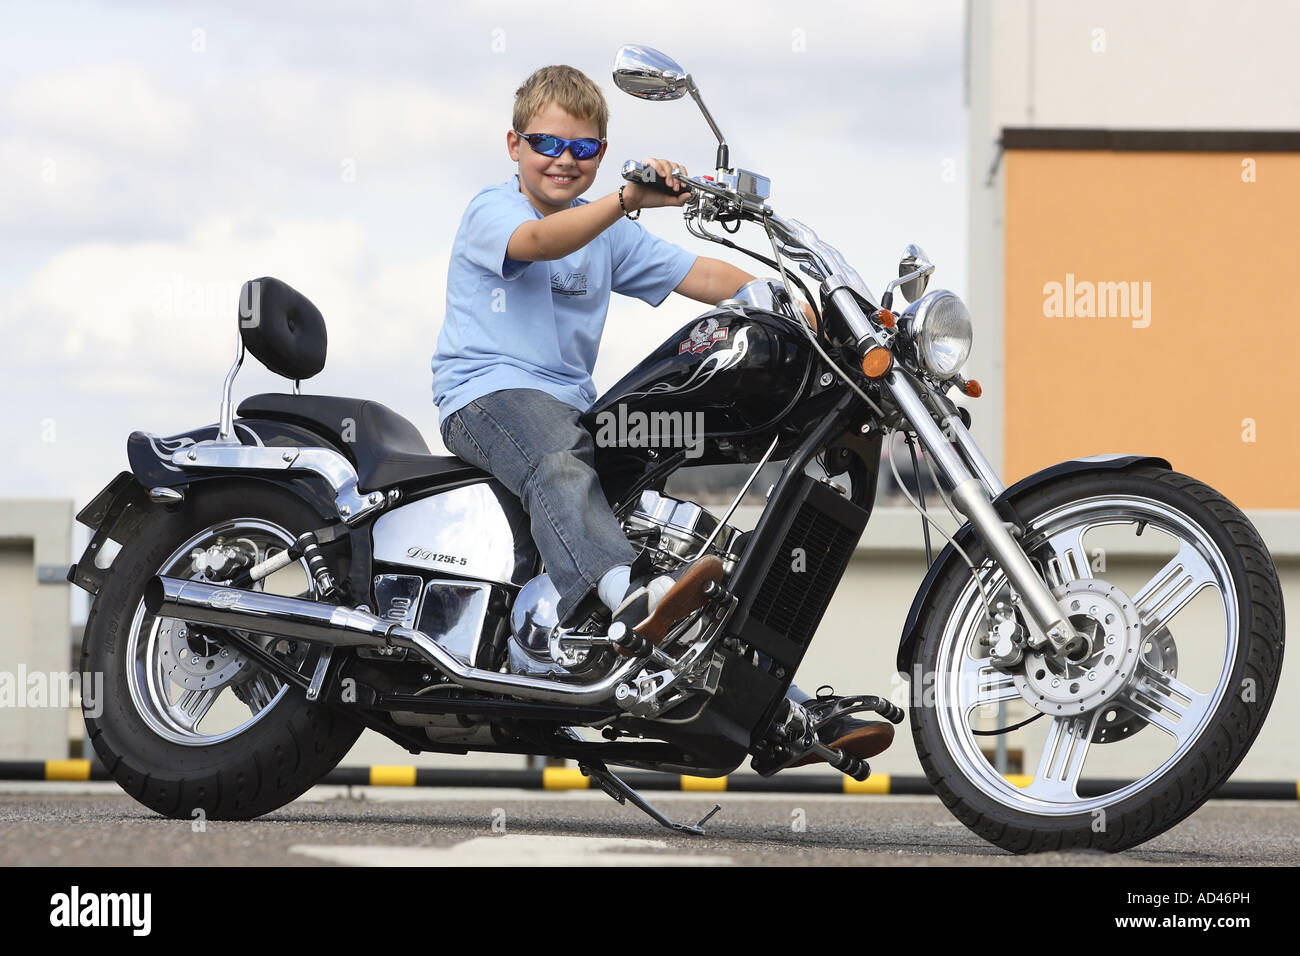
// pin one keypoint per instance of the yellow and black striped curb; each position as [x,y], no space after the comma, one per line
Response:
[570,778]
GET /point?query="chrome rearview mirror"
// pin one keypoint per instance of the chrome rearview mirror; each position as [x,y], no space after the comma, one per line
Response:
[914,271]
[649,74]
[645,72]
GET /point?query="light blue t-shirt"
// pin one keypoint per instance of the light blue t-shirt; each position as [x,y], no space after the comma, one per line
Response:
[513,324]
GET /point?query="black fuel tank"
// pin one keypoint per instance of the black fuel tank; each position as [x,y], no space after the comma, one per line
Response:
[738,366]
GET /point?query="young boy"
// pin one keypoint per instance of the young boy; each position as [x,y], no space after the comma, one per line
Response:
[528,286]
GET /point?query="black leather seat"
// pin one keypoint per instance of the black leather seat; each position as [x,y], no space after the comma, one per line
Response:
[384,447]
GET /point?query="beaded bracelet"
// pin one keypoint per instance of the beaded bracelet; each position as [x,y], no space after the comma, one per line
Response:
[624,208]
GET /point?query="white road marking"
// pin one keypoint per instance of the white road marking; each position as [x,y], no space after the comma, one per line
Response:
[510,849]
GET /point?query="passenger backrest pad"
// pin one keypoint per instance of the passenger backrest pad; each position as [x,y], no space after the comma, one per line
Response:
[281,327]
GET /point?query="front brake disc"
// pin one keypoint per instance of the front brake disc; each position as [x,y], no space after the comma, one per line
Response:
[1120,723]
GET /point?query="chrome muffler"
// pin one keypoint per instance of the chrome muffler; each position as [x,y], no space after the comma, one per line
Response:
[291,617]
[273,614]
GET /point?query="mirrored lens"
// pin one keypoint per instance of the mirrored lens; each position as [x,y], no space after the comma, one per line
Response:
[549,145]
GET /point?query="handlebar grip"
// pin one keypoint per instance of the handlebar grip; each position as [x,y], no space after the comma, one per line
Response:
[643,175]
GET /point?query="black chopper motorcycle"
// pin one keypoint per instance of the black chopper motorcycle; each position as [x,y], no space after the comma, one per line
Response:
[305,569]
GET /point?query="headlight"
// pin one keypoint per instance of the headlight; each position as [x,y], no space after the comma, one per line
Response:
[939,325]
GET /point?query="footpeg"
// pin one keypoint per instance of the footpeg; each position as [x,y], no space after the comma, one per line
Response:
[629,641]
[794,739]
[843,761]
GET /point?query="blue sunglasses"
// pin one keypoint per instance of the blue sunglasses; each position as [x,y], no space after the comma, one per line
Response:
[549,145]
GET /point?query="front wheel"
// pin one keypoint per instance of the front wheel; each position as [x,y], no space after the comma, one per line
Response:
[186,722]
[1180,608]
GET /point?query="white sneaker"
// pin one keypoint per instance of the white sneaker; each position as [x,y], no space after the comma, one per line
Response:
[652,609]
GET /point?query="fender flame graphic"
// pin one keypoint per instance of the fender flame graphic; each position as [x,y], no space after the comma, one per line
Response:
[164,448]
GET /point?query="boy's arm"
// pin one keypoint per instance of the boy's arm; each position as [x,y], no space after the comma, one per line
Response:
[566,231]
[712,280]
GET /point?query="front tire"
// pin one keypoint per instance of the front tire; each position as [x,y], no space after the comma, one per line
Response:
[162,686]
[1207,729]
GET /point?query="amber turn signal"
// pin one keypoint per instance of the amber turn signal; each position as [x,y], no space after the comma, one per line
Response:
[886,318]
[973,389]
[877,362]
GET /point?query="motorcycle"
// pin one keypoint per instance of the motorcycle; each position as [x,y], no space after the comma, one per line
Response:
[310,557]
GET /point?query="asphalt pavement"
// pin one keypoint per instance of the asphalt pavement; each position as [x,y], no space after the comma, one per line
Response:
[97,825]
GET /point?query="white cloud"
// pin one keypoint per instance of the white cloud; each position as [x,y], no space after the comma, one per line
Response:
[382,122]
[148,297]
[117,105]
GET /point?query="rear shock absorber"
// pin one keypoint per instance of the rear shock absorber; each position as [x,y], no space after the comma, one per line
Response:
[307,545]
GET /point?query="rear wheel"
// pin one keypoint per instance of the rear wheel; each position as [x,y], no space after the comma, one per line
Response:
[187,722]
[1136,727]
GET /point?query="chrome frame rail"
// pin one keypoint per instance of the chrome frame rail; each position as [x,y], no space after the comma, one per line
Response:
[329,465]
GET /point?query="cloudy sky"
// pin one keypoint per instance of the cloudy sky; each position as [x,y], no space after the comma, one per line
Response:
[154,156]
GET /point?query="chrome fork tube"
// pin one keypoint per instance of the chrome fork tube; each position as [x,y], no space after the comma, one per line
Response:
[1046,621]
[984,469]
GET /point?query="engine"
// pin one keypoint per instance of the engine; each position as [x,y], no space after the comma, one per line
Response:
[674,530]
[678,529]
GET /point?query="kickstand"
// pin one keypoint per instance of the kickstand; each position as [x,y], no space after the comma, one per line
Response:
[621,792]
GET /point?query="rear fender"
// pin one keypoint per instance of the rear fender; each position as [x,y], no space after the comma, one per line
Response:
[1005,504]
[119,511]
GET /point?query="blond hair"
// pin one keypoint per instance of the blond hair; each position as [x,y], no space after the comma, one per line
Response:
[568,88]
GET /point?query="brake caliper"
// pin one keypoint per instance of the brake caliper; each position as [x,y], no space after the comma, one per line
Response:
[223,561]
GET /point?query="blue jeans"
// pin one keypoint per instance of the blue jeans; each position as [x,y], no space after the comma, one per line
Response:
[532,443]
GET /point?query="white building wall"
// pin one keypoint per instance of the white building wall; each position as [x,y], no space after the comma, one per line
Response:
[33,629]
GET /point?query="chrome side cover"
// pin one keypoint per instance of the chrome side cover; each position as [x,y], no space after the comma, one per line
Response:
[476,531]
[453,613]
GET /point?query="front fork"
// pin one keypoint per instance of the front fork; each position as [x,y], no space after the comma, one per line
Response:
[973,496]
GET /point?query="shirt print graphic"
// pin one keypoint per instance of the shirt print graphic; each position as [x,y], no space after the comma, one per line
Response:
[575,283]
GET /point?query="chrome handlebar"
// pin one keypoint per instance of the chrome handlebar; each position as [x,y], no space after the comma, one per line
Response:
[794,240]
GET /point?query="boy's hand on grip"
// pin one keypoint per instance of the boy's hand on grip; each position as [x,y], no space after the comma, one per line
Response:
[643,195]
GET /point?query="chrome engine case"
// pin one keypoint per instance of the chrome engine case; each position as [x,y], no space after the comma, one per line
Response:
[682,528]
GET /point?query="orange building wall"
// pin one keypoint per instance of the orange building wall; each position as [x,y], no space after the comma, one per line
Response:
[1223,344]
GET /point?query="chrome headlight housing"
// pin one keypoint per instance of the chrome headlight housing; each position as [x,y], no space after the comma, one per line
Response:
[939,327]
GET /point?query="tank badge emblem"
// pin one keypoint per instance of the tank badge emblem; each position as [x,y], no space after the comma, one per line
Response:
[702,336]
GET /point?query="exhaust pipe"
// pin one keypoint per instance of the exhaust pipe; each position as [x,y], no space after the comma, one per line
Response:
[282,616]
[265,613]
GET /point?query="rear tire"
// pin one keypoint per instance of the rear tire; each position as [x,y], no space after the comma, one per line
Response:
[283,749]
